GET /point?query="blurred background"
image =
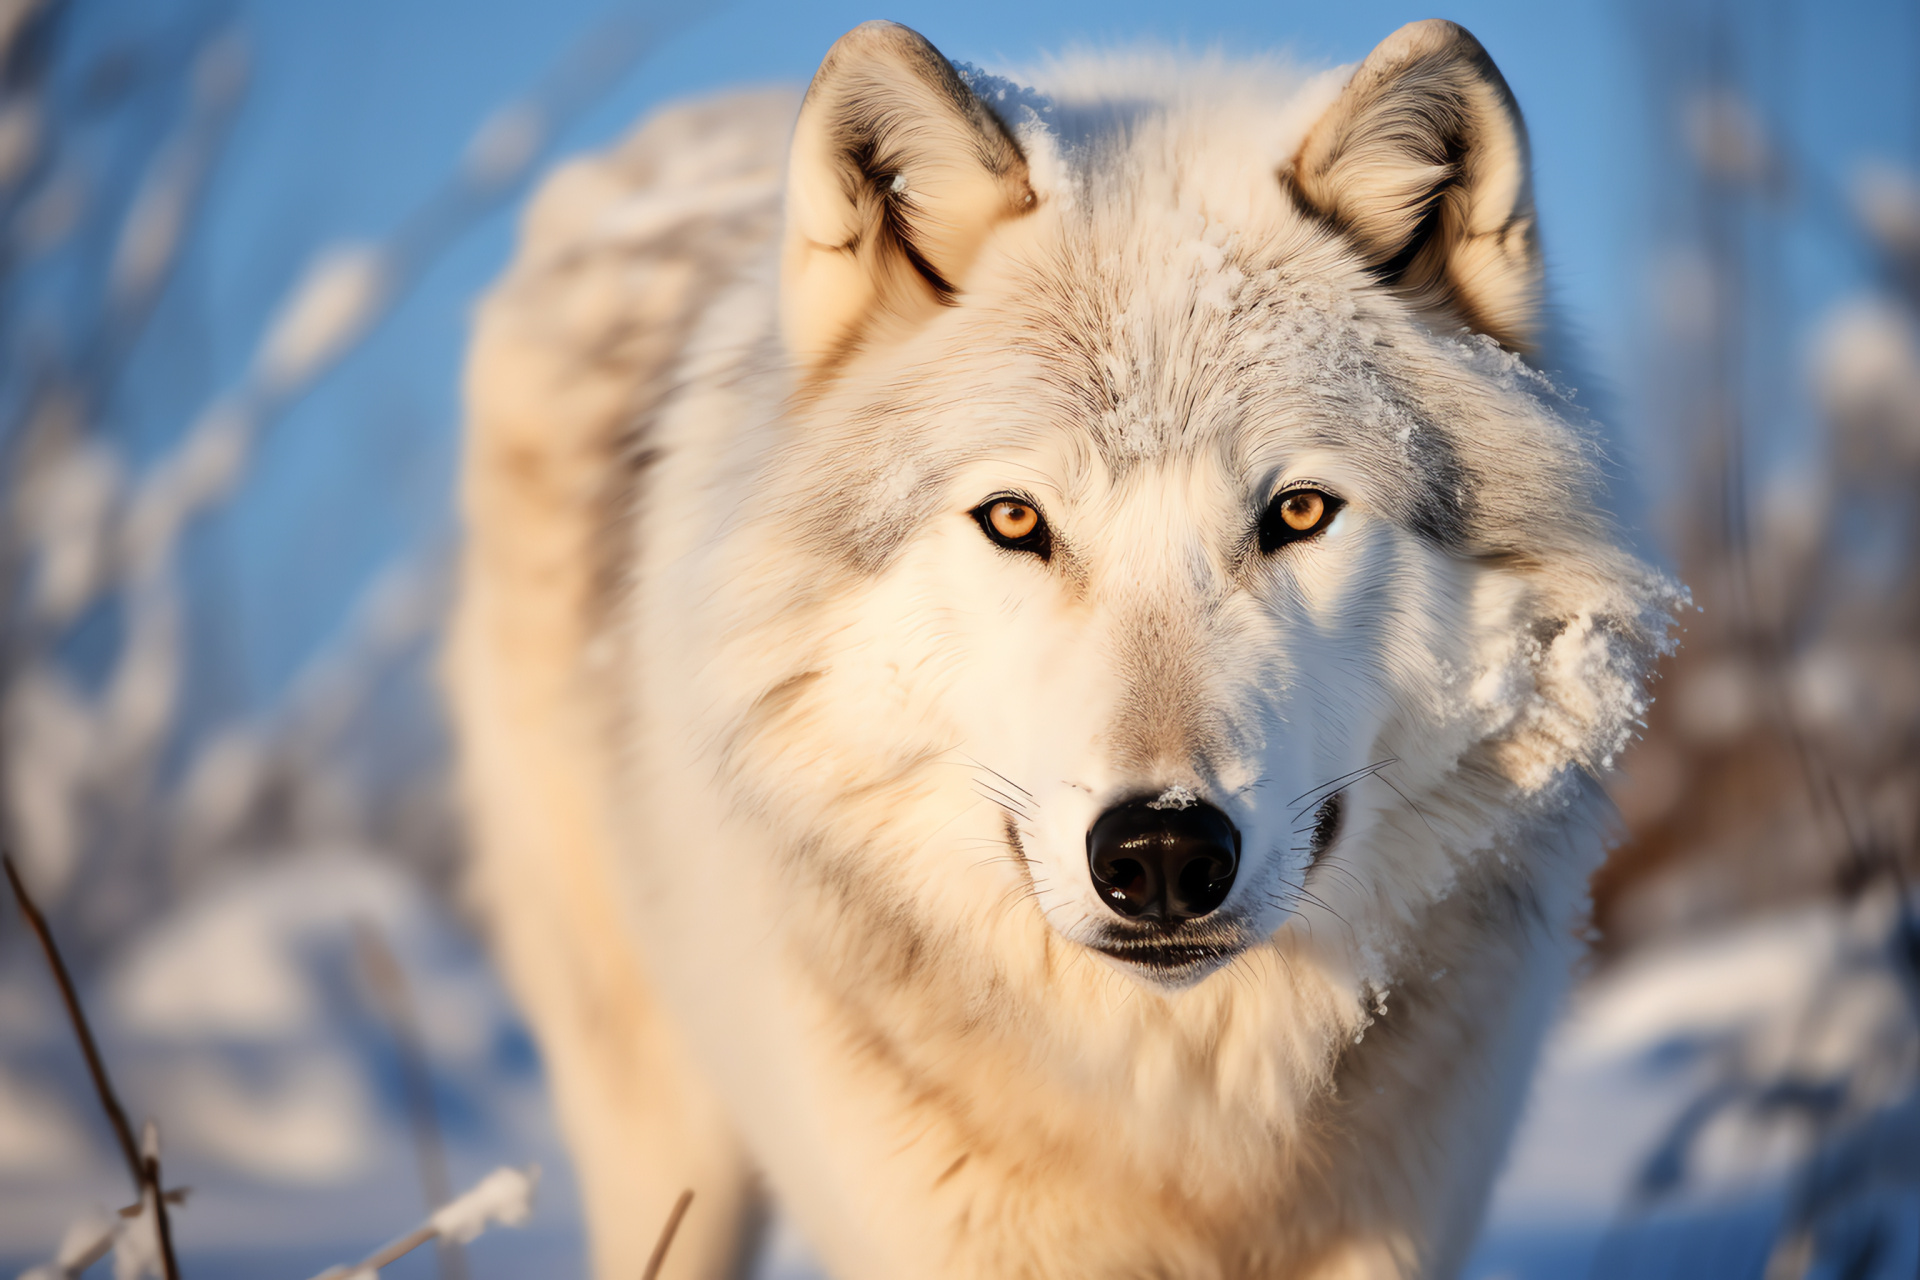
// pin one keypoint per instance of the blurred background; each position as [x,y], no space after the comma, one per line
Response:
[239,244]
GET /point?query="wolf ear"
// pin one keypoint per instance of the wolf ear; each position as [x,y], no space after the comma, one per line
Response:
[897,175]
[1423,162]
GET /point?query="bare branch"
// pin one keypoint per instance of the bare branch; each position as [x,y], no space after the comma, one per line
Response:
[503,1196]
[665,1242]
[109,1103]
[162,1220]
[389,983]
[144,1166]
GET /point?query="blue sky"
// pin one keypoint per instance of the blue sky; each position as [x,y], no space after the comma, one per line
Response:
[359,107]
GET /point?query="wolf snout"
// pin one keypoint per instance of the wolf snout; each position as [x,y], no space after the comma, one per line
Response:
[1154,861]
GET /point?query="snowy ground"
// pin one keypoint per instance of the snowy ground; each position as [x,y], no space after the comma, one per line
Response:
[245,1025]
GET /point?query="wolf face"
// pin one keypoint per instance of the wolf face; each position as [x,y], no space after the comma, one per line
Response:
[1183,531]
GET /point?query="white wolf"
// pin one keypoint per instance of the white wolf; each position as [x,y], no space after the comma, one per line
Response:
[1032,664]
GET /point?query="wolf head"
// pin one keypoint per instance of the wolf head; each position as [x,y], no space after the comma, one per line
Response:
[1170,541]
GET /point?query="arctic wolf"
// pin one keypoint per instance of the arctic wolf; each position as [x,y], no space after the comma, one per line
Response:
[1034,659]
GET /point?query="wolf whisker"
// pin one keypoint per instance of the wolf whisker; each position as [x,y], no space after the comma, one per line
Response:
[1302,893]
[1316,795]
[1289,904]
[1334,864]
[1016,893]
[1001,798]
[1417,811]
[1307,797]
[1003,777]
[1328,860]
[1285,959]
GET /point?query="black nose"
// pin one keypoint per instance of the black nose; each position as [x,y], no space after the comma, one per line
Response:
[1163,864]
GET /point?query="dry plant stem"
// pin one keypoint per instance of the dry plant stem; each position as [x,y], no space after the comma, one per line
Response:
[162,1224]
[389,985]
[667,1232]
[146,1172]
[394,1250]
[122,1130]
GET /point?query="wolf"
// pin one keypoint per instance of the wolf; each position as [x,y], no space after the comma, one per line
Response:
[1035,660]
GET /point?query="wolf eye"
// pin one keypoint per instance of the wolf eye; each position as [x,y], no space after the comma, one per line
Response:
[1016,524]
[1296,515]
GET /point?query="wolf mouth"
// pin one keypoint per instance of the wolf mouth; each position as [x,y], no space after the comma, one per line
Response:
[1177,955]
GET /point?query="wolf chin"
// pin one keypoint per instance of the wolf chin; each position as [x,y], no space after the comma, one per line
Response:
[1033,664]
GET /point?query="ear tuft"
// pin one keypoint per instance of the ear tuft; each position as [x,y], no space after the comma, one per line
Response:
[898,174]
[1423,163]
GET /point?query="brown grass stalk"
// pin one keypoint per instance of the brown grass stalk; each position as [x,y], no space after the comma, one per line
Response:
[145,1170]
[388,983]
[667,1232]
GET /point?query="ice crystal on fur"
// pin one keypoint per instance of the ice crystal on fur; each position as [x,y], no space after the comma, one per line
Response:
[1013,102]
[1174,797]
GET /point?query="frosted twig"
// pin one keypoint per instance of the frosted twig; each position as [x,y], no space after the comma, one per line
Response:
[504,1196]
[89,1238]
[397,610]
[348,288]
[68,485]
[389,983]
[112,537]
[115,537]
[149,239]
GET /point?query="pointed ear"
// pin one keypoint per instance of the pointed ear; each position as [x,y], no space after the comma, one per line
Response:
[897,175]
[1423,162]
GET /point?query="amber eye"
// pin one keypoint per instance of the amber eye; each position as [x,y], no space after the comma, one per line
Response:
[1013,520]
[1295,515]
[1014,523]
[1301,511]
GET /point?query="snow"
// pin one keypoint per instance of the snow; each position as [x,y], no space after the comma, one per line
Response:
[506,143]
[504,1196]
[1804,997]
[136,1244]
[1887,200]
[1866,372]
[238,1021]
[87,1240]
[1174,797]
[341,293]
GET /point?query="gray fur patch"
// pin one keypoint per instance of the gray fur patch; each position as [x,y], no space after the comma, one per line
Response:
[1440,511]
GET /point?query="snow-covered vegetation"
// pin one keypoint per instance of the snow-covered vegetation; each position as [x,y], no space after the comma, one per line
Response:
[257,894]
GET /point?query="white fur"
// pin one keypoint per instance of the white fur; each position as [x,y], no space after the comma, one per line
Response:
[743,807]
